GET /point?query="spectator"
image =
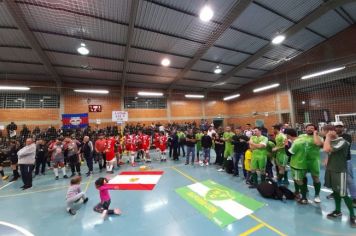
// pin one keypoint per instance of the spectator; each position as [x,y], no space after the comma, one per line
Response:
[27,158]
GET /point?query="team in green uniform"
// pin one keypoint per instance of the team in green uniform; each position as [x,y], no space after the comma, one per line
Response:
[337,149]
[229,147]
[281,158]
[313,143]
[198,137]
[258,144]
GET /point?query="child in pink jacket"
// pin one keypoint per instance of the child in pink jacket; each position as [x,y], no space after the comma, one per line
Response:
[105,200]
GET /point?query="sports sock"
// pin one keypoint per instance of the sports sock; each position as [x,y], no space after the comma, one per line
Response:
[263,177]
[64,171]
[254,178]
[55,170]
[317,187]
[303,190]
[337,200]
[296,187]
[285,175]
[348,202]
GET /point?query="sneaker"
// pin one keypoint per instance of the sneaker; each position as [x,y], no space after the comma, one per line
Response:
[72,212]
[5,177]
[334,214]
[330,196]
[27,187]
[186,163]
[317,199]
[303,201]
[85,200]
[206,164]
[221,170]
[13,179]
[65,177]
[117,211]
[57,178]
[353,221]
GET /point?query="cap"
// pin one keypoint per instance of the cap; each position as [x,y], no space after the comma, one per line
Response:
[338,123]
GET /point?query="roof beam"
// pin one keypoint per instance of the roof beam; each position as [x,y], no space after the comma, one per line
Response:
[230,17]
[133,15]
[324,8]
[16,14]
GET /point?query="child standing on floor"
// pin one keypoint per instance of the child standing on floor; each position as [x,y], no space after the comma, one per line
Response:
[105,200]
[74,194]
[247,165]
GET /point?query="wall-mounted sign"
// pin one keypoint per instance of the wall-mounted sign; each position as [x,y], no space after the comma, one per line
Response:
[95,108]
[120,116]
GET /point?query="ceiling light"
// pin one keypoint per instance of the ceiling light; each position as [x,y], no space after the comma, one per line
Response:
[194,96]
[98,91]
[278,39]
[153,94]
[83,50]
[231,97]
[14,88]
[206,13]
[165,62]
[324,72]
[265,88]
[217,70]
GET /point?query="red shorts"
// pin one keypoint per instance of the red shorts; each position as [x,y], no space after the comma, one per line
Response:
[162,148]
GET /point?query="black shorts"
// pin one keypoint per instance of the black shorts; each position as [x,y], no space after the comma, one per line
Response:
[337,181]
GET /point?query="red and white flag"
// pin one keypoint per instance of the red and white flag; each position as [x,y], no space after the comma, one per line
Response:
[136,180]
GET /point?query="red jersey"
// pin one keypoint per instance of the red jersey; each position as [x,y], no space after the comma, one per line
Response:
[156,140]
[145,142]
[100,145]
[110,149]
[130,142]
[163,142]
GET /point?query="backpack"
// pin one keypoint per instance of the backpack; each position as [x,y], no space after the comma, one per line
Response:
[270,189]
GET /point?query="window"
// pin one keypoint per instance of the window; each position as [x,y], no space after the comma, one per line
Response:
[145,103]
[23,100]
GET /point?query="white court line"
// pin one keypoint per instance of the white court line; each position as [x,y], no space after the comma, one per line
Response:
[6,185]
[310,186]
[18,228]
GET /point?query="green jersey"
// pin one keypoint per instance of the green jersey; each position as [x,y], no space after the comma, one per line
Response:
[198,137]
[227,136]
[298,159]
[280,140]
[270,146]
[260,152]
[312,150]
[181,135]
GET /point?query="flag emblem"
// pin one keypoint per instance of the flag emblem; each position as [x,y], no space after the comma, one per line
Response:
[136,180]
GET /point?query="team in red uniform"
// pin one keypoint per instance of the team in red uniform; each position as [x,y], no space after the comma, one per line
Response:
[163,145]
[131,148]
[145,147]
[110,154]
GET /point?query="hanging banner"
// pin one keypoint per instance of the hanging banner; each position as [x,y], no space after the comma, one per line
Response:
[72,121]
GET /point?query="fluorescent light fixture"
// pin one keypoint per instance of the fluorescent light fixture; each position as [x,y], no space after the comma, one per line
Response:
[152,94]
[324,72]
[97,91]
[83,50]
[14,88]
[165,62]
[206,13]
[194,96]
[217,70]
[231,97]
[265,88]
[278,39]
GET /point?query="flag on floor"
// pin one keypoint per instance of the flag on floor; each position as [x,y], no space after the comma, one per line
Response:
[220,204]
[136,180]
[72,121]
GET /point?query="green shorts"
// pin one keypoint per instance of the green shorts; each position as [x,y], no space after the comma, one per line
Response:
[336,181]
[313,167]
[199,148]
[281,159]
[228,153]
[298,174]
[258,163]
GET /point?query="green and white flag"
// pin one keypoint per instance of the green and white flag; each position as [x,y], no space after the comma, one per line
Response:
[220,204]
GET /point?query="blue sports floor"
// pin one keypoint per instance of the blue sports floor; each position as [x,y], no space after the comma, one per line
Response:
[41,210]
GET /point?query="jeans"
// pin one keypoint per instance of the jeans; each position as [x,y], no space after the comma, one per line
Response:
[40,161]
[74,163]
[181,146]
[89,160]
[236,159]
[219,155]
[190,150]
[350,180]
[26,174]
[206,153]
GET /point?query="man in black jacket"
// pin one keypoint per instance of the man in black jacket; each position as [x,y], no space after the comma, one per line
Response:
[206,143]
[239,140]
[41,157]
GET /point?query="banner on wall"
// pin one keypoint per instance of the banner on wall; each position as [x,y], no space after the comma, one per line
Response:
[120,116]
[72,121]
